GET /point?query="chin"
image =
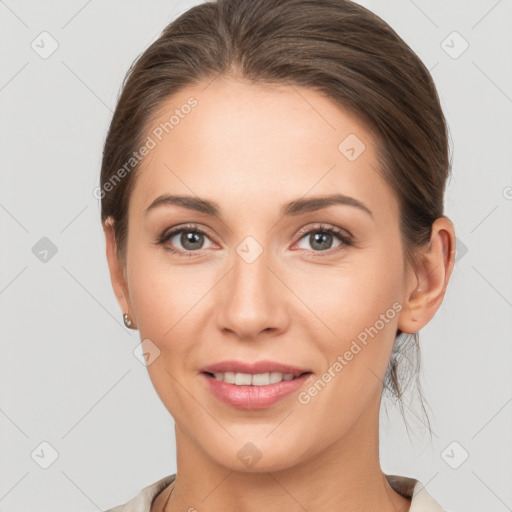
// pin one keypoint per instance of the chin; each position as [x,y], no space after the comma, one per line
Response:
[257,453]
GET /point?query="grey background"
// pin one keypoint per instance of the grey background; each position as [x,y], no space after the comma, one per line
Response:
[68,373]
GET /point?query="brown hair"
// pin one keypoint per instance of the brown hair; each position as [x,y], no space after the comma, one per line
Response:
[335,47]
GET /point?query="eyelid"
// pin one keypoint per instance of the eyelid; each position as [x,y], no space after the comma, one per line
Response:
[170,233]
[344,236]
[183,227]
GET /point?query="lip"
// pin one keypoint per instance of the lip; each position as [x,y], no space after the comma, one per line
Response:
[253,397]
[253,368]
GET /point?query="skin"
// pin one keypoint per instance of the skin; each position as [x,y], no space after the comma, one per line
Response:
[252,148]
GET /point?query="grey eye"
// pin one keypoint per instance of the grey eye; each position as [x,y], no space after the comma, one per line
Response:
[319,240]
[189,240]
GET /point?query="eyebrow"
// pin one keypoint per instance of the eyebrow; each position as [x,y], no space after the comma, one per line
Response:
[296,207]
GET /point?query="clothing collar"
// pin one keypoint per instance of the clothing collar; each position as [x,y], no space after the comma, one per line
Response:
[411,488]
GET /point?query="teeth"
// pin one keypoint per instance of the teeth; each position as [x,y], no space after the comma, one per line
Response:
[243,379]
[258,379]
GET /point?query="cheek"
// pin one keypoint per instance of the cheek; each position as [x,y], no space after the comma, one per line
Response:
[359,308]
[352,297]
[167,301]
[164,296]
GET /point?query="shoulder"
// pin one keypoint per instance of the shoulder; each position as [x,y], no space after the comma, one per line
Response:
[143,500]
[421,500]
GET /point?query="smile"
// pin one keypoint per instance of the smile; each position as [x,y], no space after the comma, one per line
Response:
[253,391]
[248,379]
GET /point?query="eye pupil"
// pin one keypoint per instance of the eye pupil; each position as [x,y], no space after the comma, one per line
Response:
[189,237]
[323,239]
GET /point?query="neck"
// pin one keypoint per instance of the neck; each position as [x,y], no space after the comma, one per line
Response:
[344,476]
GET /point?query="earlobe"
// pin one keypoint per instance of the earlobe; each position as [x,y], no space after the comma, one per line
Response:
[426,284]
[117,274]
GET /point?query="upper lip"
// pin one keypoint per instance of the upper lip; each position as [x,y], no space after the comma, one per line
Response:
[253,368]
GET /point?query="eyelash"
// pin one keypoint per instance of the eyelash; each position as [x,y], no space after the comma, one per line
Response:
[346,240]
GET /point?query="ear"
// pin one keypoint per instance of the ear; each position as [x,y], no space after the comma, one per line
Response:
[117,270]
[426,284]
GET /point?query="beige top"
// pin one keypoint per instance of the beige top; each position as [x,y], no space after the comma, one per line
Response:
[408,487]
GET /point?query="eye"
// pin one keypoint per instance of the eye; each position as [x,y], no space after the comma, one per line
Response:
[185,239]
[321,239]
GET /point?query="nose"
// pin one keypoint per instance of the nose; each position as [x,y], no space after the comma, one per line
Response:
[251,300]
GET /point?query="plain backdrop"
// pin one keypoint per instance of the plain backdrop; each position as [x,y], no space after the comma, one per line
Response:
[74,397]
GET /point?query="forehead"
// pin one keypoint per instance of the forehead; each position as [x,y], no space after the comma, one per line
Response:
[239,141]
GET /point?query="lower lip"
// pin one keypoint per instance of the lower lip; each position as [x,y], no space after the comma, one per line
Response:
[253,397]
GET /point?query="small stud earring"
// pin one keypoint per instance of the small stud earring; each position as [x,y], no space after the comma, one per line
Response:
[127,320]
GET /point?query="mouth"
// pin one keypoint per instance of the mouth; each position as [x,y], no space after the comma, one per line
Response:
[255,385]
[256,379]
[227,368]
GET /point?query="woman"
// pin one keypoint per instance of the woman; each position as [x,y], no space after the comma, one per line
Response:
[272,200]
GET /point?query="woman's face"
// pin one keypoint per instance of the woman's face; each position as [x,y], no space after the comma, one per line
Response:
[263,280]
